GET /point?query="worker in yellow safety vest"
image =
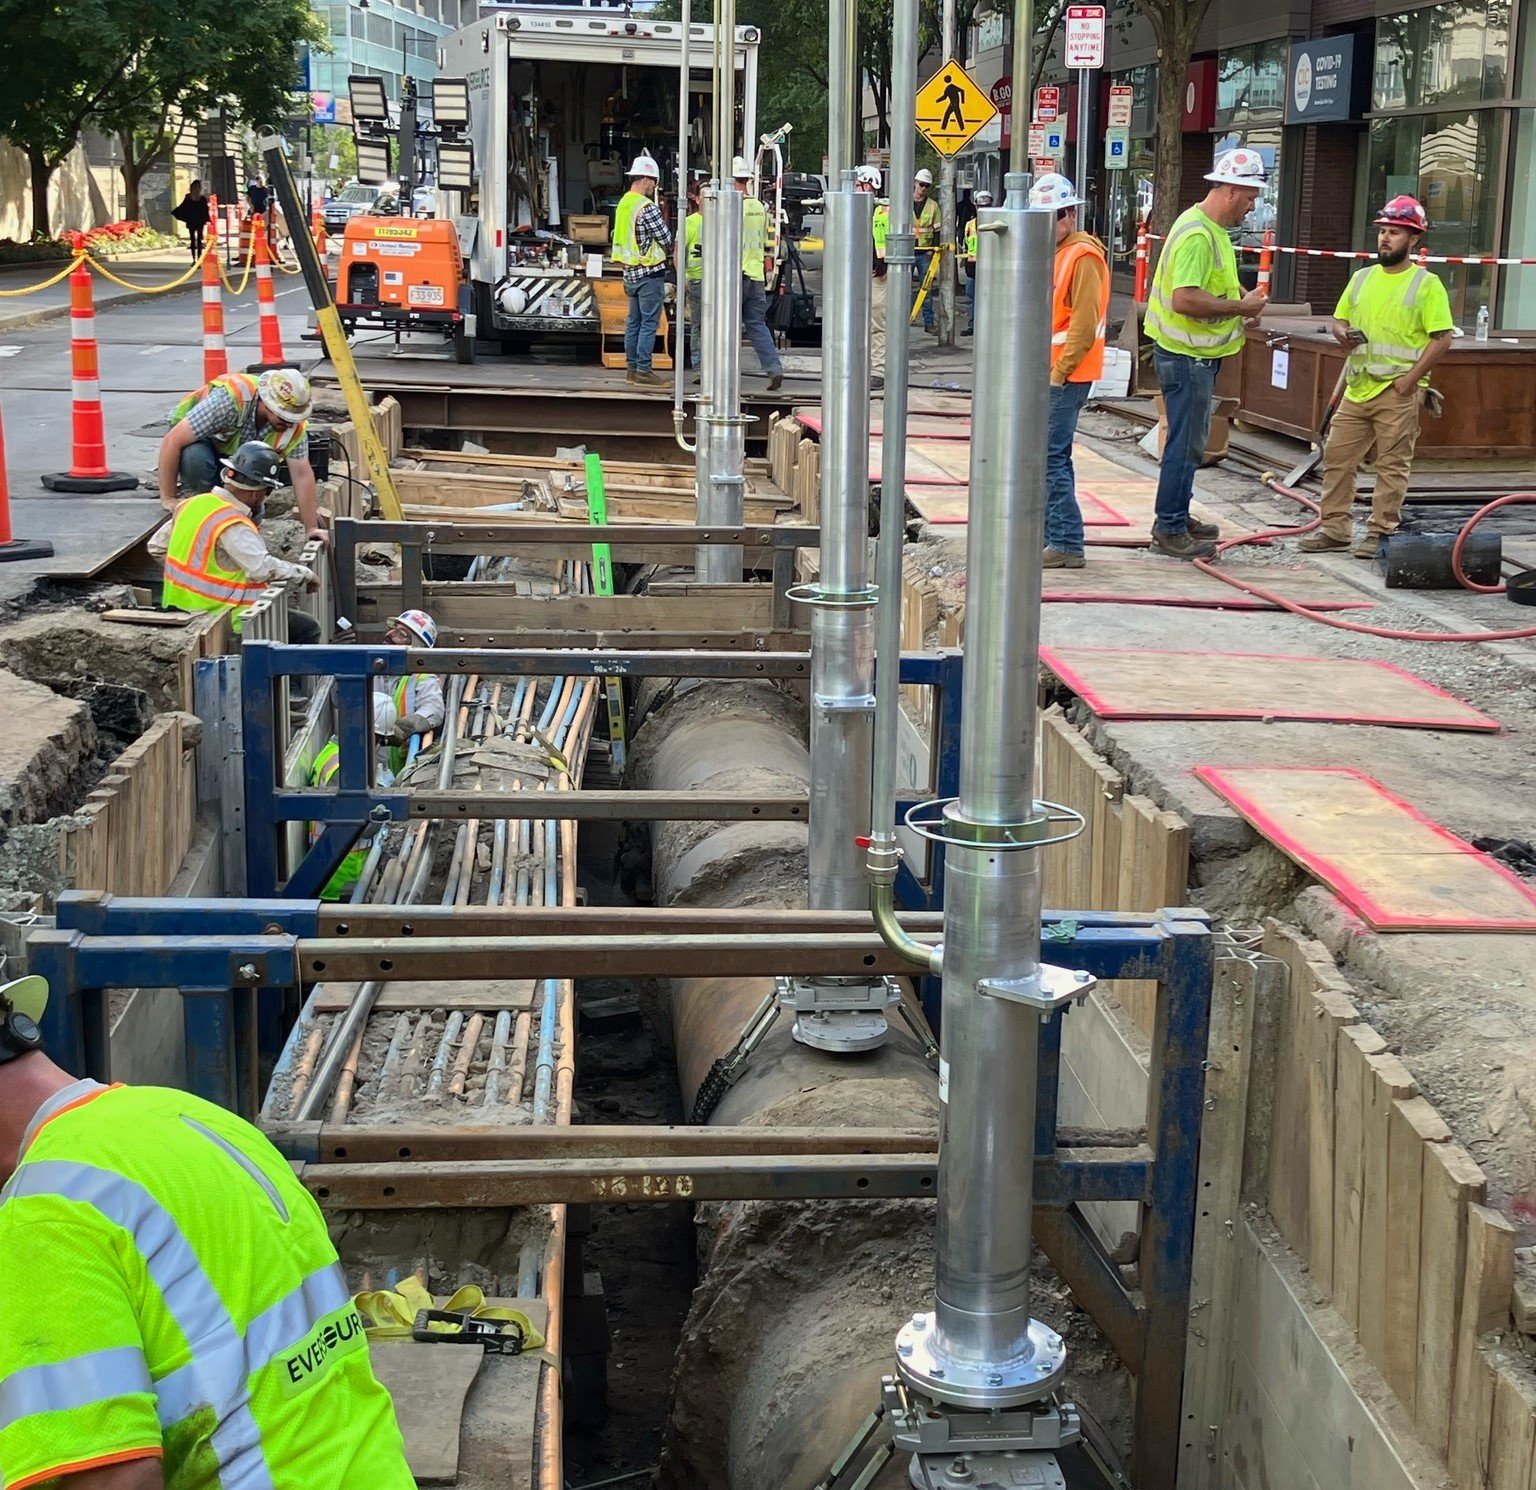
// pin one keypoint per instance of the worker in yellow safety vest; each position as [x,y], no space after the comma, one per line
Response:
[221,416]
[754,253]
[190,1325]
[982,198]
[867,179]
[641,244]
[418,698]
[1195,316]
[1394,320]
[213,552]
[926,225]
[1079,305]
[693,275]
[323,773]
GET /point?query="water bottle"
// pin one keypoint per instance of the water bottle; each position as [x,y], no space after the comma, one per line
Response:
[1482,324]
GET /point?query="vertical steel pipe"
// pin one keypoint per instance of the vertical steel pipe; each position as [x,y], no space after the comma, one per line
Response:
[842,622]
[1023,99]
[842,88]
[685,332]
[992,898]
[721,499]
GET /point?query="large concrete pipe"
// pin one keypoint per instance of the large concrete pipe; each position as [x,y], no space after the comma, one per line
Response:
[791,1326]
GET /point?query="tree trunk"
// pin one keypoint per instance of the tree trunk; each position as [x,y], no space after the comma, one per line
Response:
[42,174]
[1168,163]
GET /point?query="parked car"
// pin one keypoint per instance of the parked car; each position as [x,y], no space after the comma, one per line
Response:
[387,202]
[346,204]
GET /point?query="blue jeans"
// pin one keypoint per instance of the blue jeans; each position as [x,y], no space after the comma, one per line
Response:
[695,295]
[199,468]
[1188,385]
[754,319]
[924,258]
[1063,517]
[970,301]
[646,299]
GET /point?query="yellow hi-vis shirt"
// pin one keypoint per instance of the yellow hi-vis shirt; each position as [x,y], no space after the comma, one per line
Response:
[1399,313]
[170,1292]
[754,237]
[1198,255]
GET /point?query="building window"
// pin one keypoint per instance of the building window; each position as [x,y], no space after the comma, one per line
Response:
[1250,84]
[1456,52]
[1447,161]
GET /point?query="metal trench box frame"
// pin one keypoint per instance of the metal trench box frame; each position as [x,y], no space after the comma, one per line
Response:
[224,955]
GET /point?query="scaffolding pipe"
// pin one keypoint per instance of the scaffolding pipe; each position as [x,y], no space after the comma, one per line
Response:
[884,852]
[1021,98]
[982,1349]
[722,491]
[680,237]
[842,87]
[842,618]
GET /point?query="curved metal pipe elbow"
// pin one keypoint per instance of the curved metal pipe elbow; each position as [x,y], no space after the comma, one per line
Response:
[678,418]
[882,862]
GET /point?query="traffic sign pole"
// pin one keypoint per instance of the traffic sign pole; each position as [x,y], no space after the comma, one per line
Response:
[1084,52]
[1082,145]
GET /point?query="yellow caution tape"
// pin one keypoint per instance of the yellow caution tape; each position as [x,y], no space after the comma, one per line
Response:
[390,1313]
[128,284]
[64,273]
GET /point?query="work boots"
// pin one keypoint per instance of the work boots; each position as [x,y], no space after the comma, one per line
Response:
[645,379]
[1183,546]
[1322,542]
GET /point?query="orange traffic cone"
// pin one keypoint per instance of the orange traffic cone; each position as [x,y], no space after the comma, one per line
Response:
[1266,261]
[88,471]
[1142,263]
[13,549]
[272,354]
[317,230]
[215,358]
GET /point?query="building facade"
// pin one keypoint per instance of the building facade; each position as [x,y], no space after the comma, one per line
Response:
[380,38]
[1350,102]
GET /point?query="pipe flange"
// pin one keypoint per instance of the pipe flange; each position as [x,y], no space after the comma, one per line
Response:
[823,599]
[955,832]
[841,1032]
[922,1364]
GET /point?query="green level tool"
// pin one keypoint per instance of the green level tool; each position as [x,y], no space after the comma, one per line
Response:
[602,584]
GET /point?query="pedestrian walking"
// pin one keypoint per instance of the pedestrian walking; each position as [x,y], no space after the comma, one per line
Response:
[867,179]
[754,296]
[981,199]
[1394,320]
[1195,316]
[926,227]
[1079,306]
[192,212]
[641,244]
[187,1321]
[693,277]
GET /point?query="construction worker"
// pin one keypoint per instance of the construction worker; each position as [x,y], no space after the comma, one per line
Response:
[693,275]
[189,1323]
[223,415]
[1394,320]
[1079,306]
[323,773]
[754,298]
[926,227]
[641,243]
[418,699]
[867,179]
[213,551]
[982,198]
[1195,316]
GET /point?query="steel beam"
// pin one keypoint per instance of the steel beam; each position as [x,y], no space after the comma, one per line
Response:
[1115,1174]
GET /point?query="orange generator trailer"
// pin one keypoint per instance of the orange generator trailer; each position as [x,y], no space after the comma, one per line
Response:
[405,274]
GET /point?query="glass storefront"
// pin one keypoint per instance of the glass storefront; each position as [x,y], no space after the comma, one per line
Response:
[1517,285]
[1250,111]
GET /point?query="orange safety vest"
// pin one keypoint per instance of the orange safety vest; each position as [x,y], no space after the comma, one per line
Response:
[1067,260]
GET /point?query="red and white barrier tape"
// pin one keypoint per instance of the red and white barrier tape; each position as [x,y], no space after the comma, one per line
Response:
[1349,253]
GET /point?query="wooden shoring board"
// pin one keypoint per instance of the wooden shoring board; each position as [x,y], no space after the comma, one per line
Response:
[1397,869]
[1135,581]
[1139,683]
[489,997]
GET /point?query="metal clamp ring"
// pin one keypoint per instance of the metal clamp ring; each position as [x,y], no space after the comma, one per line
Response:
[1050,812]
[814,594]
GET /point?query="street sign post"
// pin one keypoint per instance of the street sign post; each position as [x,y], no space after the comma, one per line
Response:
[1047,105]
[1120,97]
[952,109]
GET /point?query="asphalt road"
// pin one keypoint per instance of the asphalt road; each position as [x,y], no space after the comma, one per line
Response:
[151,354]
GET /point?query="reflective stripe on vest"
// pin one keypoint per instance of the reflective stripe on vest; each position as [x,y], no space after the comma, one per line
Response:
[1184,334]
[626,245]
[241,387]
[1383,359]
[754,237]
[195,579]
[1091,366]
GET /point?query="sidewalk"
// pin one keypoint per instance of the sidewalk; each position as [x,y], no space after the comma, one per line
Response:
[20,311]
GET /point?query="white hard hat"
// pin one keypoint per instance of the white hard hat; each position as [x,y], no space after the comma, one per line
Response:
[419,624]
[740,168]
[1053,191]
[925,176]
[982,198]
[1240,167]
[384,713]
[643,165]
[868,176]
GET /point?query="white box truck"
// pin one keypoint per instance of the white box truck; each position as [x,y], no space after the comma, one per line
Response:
[561,98]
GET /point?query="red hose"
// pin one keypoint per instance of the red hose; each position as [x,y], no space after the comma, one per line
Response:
[1307,614]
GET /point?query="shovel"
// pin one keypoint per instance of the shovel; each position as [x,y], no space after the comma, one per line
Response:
[1308,464]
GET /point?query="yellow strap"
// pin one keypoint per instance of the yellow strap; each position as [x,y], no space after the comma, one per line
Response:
[245,276]
[390,1314]
[64,273]
[128,284]
[933,269]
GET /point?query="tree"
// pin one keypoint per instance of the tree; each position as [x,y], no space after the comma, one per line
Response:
[1175,28]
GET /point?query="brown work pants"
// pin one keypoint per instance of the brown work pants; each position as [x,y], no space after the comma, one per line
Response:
[1390,422]
[877,326]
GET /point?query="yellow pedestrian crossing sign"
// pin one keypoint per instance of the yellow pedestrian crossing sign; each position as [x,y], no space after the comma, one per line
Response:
[952,110]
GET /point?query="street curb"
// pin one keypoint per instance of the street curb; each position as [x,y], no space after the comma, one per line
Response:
[23,320]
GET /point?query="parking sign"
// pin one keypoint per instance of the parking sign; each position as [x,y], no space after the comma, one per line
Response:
[1084,47]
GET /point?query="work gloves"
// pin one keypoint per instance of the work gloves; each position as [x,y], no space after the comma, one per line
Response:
[410,724]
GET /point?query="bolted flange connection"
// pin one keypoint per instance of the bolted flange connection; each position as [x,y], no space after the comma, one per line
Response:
[927,1368]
